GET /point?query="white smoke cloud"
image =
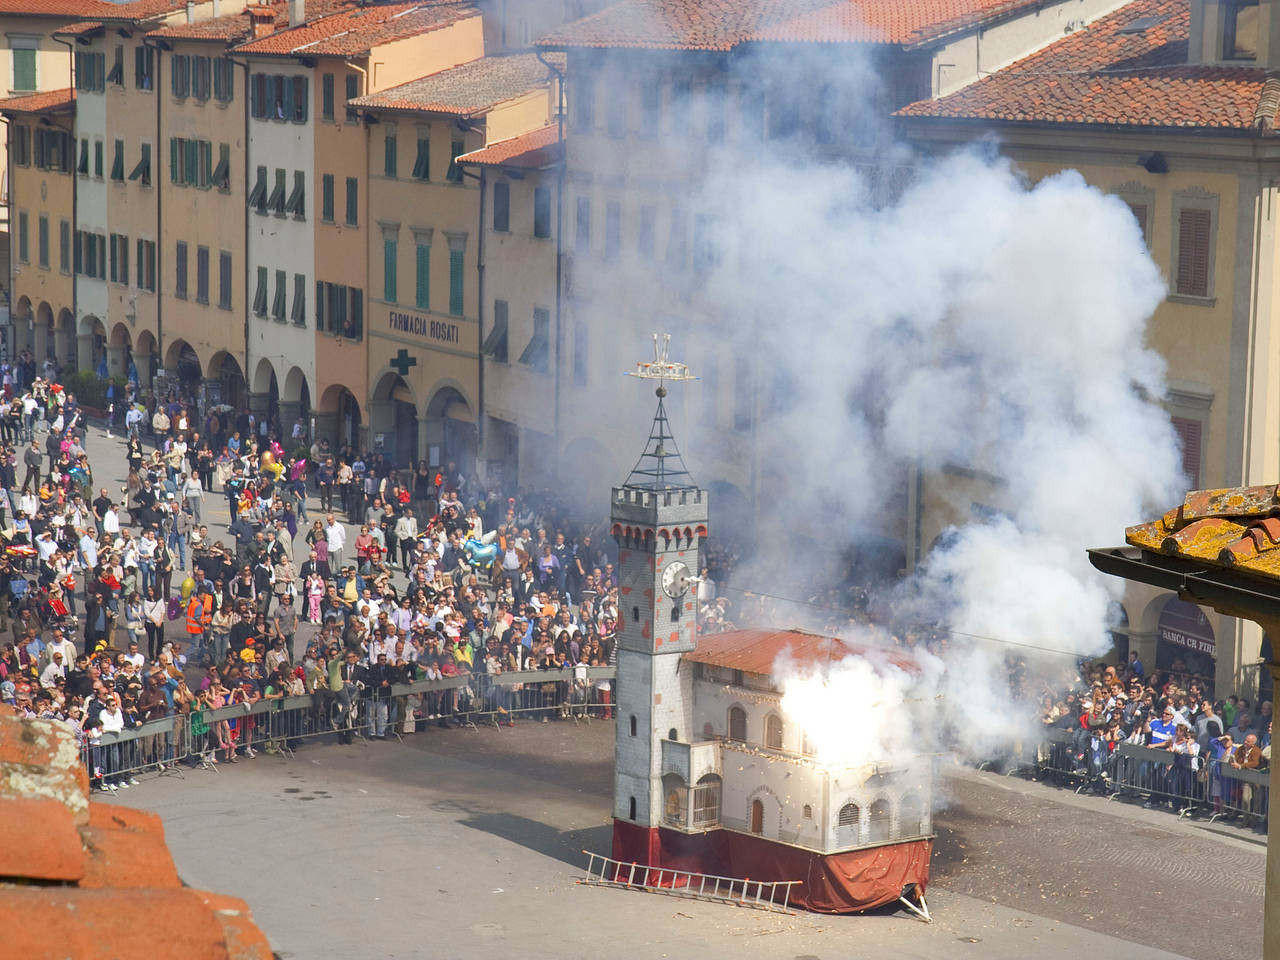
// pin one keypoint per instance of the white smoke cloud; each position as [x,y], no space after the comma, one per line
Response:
[979,321]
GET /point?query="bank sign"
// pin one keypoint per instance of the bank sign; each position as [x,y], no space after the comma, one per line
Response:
[441,331]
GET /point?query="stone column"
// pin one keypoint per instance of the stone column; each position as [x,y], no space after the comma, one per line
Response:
[289,411]
[117,360]
[327,427]
[84,353]
[40,345]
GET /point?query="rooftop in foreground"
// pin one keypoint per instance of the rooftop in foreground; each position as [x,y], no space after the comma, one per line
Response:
[1126,69]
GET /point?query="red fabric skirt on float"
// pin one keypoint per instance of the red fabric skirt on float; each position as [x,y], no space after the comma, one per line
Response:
[847,882]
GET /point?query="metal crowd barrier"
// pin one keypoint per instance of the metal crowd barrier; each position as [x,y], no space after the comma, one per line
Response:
[1238,793]
[279,725]
[1186,785]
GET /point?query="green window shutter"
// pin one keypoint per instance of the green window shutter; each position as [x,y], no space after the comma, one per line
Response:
[389,269]
[260,293]
[299,312]
[422,163]
[454,173]
[23,248]
[389,156]
[97,159]
[279,304]
[180,271]
[117,161]
[42,241]
[175,147]
[24,69]
[353,201]
[422,297]
[455,282]
[326,197]
[326,96]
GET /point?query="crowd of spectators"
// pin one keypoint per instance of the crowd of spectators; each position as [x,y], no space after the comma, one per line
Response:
[129,607]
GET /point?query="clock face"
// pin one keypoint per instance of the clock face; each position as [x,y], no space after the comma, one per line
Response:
[675,579]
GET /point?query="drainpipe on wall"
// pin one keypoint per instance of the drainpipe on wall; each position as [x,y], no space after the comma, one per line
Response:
[10,338]
[75,221]
[248,165]
[560,177]
[480,431]
[157,180]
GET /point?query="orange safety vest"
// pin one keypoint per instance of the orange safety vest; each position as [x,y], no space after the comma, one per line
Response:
[199,613]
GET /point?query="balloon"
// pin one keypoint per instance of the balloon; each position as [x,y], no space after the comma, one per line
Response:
[268,458]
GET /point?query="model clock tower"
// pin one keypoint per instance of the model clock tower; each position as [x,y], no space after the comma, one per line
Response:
[659,517]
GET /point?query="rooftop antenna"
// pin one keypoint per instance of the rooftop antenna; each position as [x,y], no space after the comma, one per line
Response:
[661,467]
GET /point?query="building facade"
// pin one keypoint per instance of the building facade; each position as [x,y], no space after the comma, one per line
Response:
[1197,170]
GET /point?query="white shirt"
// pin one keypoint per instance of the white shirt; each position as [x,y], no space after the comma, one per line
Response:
[111,521]
[336,536]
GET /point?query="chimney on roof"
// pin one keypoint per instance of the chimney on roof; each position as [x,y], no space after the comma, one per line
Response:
[262,21]
[191,11]
[297,12]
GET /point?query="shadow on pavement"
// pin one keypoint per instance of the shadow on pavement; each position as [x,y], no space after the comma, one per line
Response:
[563,845]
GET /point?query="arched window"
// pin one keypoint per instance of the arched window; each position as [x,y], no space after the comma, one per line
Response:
[633,724]
[676,800]
[706,801]
[878,821]
[808,812]
[673,734]
[849,825]
[773,731]
[911,819]
[757,816]
[633,809]
[738,724]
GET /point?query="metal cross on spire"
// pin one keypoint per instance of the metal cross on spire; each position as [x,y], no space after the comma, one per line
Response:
[661,467]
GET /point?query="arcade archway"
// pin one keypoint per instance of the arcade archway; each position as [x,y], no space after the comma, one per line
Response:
[120,353]
[393,420]
[224,383]
[64,340]
[91,352]
[338,417]
[449,430]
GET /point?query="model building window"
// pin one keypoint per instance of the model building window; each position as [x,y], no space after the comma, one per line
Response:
[773,731]
[848,824]
[1240,30]
[706,801]
[879,821]
[910,817]
[738,724]
[675,800]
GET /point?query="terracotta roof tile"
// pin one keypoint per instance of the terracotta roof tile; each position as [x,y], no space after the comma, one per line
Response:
[535,150]
[47,101]
[466,89]
[354,31]
[234,28]
[1237,527]
[725,24]
[86,878]
[756,651]
[54,8]
[1116,72]
[58,856]
[79,29]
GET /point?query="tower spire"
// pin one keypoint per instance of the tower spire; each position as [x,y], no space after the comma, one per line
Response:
[660,466]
